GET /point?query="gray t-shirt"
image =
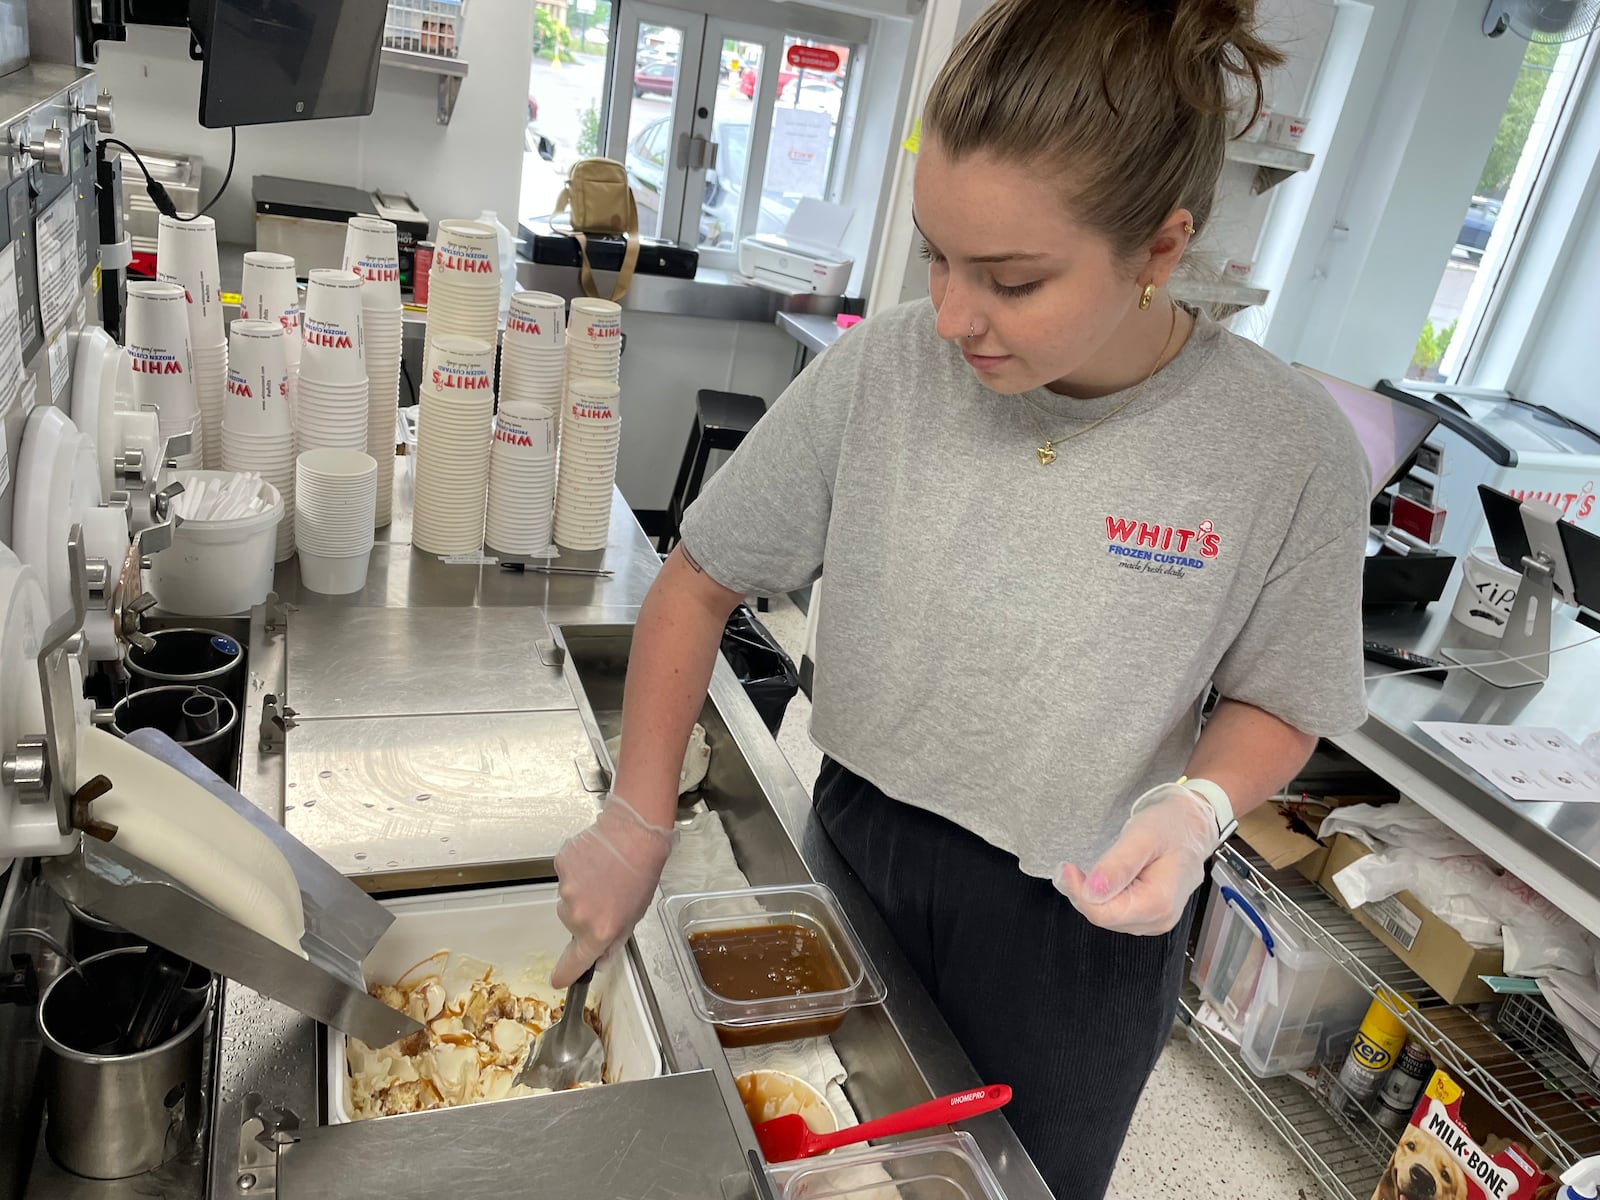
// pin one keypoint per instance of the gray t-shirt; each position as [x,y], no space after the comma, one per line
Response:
[1024,649]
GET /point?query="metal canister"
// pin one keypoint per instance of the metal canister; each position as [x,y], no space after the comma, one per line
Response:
[422,263]
[116,1115]
[191,656]
[1397,1098]
[1377,1047]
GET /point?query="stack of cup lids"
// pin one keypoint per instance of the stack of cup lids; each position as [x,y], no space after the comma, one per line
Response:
[331,408]
[186,254]
[257,432]
[372,254]
[591,433]
[522,479]
[464,281]
[336,494]
[533,351]
[270,291]
[162,364]
[594,345]
[454,419]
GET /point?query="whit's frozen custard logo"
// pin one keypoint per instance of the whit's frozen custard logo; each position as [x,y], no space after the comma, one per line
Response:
[1162,549]
[459,379]
[154,362]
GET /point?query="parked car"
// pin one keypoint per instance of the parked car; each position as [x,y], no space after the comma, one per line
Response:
[655,79]
[646,160]
[1477,225]
[812,95]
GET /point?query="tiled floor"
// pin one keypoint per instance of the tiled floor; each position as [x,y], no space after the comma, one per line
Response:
[1194,1134]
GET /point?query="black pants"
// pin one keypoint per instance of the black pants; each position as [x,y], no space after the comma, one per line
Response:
[1072,1016]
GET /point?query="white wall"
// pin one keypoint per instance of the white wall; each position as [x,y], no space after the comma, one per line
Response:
[1423,106]
[474,163]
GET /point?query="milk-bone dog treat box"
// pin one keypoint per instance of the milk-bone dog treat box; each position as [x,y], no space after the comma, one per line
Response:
[1438,1158]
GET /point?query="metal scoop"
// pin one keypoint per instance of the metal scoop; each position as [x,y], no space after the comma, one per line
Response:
[569,1052]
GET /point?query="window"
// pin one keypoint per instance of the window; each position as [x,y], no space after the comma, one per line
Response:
[1495,211]
[566,97]
[724,125]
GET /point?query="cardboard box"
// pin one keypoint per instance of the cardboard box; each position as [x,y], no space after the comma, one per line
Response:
[1438,1156]
[1441,956]
[1270,832]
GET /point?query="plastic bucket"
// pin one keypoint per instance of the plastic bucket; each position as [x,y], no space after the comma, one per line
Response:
[218,568]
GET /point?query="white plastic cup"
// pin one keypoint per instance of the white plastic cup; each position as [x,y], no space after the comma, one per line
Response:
[1487,593]
[258,378]
[270,291]
[372,254]
[159,353]
[186,254]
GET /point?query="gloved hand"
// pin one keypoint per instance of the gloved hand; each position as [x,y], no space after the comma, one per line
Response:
[1143,882]
[608,874]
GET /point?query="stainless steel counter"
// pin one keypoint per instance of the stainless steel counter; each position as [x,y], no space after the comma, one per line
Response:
[1554,847]
[493,625]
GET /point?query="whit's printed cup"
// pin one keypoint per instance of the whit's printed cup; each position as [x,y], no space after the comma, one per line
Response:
[372,254]
[186,254]
[459,367]
[331,348]
[1488,590]
[258,379]
[466,258]
[536,319]
[525,432]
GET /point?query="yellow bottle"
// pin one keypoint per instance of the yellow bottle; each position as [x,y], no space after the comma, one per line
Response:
[1377,1047]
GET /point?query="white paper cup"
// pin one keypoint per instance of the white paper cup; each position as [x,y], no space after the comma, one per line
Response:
[331,341]
[186,254]
[459,367]
[161,362]
[334,575]
[536,319]
[258,378]
[1487,592]
[372,254]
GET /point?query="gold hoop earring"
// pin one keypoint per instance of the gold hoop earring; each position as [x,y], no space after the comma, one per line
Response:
[1147,296]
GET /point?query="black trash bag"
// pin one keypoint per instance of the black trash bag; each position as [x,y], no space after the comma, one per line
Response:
[767,673]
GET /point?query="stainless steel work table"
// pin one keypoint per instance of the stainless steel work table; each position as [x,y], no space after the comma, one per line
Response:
[896,1054]
[1553,847]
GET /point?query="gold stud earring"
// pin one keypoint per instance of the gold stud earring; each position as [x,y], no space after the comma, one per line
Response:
[1188,228]
[1147,296]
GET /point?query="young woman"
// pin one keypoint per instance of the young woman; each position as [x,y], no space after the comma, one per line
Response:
[1056,507]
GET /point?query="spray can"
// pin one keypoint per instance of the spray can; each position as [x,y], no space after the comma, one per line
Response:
[422,263]
[1377,1048]
[1397,1098]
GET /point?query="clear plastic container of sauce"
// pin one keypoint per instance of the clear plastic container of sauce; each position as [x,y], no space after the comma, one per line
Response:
[770,964]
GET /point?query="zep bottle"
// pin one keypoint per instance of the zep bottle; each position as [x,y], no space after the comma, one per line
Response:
[1377,1048]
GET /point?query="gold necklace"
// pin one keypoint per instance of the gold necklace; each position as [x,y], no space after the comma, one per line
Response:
[1046,450]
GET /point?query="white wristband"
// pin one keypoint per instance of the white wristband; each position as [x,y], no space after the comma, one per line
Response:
[1222,807]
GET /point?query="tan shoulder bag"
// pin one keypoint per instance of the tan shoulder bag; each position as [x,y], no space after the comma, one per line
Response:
[600,201]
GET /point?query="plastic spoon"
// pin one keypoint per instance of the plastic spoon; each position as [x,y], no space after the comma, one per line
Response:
[785,1138]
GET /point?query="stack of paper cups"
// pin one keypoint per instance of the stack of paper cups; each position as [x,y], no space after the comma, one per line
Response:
[464,281]
[186,254]
[331,409]
[270,291]
[455,413]
[163,365]
[533,352]
[337,493]
[594,345]
[591,433]
[522,479]
[372,254]
[257,433]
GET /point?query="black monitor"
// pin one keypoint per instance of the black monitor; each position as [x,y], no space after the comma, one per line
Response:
[268,61]
[1583,561]
[1389,428]
[1504,514]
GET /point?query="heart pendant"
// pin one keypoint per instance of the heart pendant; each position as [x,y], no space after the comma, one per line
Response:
[1047,454]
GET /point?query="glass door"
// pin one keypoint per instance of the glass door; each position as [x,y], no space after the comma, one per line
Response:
[653,90]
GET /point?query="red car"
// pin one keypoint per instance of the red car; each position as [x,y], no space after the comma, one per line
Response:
[657,79]
[747,81]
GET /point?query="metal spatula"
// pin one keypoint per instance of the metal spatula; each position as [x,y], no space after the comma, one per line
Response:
[569,1052]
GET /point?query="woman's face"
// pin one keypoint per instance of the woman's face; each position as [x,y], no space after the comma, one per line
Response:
[1041,295]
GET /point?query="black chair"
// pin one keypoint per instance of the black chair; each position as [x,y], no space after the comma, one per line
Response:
[721,420]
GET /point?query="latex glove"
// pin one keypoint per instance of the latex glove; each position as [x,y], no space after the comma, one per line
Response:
[608,874]
[1143,883]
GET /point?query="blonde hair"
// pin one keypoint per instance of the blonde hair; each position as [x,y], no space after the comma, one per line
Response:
[1129,102]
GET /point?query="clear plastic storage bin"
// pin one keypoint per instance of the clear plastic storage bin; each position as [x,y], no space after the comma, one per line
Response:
[1286,1001]
[769,964]
[946,1167]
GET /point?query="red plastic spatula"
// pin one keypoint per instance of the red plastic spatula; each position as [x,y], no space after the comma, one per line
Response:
[785,1138]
